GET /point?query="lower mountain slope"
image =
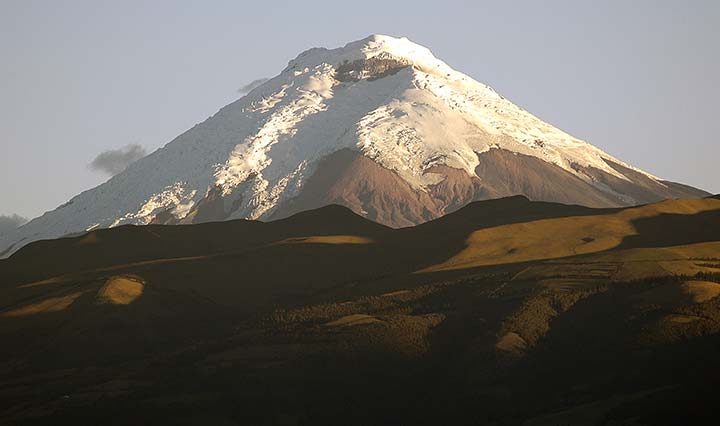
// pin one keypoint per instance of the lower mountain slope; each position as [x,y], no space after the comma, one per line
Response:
[506,312]
[353,180]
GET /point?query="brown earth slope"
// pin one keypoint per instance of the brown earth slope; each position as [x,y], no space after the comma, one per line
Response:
[348,178]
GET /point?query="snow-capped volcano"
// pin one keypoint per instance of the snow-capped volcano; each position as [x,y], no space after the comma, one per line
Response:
[379,125]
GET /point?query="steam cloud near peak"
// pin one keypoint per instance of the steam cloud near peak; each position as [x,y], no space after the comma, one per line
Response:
[114,161]
[253,84]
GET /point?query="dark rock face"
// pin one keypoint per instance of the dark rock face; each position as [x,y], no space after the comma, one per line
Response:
[373,68]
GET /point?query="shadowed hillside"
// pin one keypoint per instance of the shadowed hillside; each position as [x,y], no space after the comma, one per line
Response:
[504,312]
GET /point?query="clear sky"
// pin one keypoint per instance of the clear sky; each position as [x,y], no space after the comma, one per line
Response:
[639,79]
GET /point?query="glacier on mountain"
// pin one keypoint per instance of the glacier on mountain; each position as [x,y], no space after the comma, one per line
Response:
[386,97]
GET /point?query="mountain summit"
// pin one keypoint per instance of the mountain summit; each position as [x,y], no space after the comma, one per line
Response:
[379,125]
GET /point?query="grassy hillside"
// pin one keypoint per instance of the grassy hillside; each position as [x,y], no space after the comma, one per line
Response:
[504,312]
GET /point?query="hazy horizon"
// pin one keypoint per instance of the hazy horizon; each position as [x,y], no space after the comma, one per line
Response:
[636,80]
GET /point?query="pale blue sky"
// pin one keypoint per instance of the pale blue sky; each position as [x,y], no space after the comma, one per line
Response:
[638,79]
